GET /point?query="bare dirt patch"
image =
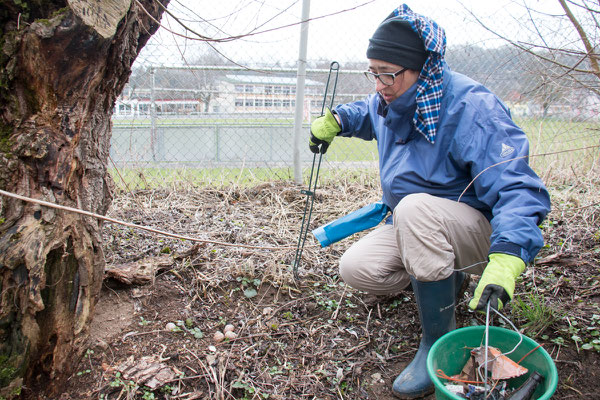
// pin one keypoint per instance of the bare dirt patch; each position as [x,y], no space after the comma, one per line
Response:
[315,338]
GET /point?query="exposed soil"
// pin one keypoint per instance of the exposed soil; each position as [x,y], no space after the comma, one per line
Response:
[313,338]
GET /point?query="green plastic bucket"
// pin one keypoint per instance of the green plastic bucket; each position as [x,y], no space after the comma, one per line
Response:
[450,353]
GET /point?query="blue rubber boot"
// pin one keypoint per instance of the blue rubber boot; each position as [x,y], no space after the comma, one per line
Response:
[461,284]
[435,302]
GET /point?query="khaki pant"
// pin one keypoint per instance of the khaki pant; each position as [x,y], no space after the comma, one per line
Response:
[430,238]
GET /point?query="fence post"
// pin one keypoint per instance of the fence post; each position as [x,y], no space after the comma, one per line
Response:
[217,145]
[152,114]
[300,80]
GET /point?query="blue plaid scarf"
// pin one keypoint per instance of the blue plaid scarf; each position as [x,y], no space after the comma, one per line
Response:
[429,85]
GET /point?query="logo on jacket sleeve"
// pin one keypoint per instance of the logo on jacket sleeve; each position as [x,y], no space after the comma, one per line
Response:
[506,150]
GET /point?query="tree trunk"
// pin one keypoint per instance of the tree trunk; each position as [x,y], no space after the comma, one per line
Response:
[62,65]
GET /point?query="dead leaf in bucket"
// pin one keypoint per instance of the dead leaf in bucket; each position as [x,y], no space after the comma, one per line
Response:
[468,372]
[500,366]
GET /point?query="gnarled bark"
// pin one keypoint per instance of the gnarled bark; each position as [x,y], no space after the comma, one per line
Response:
[63,64]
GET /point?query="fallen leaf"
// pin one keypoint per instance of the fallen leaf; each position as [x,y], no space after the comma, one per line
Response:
[148,371]
[139,272]
[501,366]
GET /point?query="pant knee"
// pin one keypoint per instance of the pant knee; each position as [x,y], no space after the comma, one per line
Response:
[372,277]
[412,208]
[349,271]
[422,239]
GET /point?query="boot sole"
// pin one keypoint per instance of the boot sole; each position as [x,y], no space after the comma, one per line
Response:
[418,395]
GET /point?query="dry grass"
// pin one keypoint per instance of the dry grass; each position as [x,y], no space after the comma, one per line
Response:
[258,218]
[316,337]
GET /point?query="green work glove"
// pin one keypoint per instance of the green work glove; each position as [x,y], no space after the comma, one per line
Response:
[322,132]
[497,283]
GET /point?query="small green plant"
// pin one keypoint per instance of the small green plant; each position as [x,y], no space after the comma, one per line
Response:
[592,337]
[129,387]
[248,390]
[275,370]
[534,310]
[197,333]
[350,304]
[585,338]
[345,388]
[165,250]
[88,355]
[85,371]
[328,304]
[187,326]
[7,372]
[168,389]
[148,395]
[117,381]
[249,286]
[288,315]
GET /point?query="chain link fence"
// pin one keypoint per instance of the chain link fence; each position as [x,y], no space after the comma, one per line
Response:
[214,96]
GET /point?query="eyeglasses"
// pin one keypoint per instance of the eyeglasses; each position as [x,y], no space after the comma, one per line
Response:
[387,78]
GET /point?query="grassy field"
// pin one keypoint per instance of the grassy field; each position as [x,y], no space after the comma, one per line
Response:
[559,149]
[195,121]
[129,179]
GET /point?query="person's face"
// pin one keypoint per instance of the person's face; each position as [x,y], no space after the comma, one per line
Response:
[402,82]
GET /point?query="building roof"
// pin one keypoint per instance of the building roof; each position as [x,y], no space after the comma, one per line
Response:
[267,79]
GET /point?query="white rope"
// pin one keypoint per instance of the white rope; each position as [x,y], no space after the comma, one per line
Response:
[145,228]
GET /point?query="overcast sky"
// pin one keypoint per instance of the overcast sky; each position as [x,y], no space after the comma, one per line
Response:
[338,30]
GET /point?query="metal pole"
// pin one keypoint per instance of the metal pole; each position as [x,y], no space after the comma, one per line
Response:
[152,114]
[300,79]
[310,193]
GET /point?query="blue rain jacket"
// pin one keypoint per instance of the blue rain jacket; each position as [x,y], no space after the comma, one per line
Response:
[472,159]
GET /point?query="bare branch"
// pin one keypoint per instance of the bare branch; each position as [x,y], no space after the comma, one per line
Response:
[535,26]
[584,39]
[528,49]
[251,33]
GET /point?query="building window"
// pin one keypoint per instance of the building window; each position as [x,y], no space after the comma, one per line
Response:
[239,102]
[286,90]
[286,103]
[249,103]
[293,89]
[277,103]
[125,108]
[268,103]
[277,89]
[258,102]
[239,88]
[268,89]
[249,89]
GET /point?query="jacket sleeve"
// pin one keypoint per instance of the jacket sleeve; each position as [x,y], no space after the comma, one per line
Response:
[356,119]
[496,151]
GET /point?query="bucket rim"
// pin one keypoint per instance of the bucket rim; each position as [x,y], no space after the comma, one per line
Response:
[439,385]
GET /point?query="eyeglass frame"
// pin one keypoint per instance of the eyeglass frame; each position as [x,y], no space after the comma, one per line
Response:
[393,75]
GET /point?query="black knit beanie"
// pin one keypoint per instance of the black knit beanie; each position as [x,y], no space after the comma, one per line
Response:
[394,41]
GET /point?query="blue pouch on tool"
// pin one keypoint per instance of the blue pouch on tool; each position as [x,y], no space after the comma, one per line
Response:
[367,217]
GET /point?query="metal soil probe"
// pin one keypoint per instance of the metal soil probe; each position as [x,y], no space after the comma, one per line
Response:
[334,69]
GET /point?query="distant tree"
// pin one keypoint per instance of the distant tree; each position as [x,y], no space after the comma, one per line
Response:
[574,62]
[543,85]
[206,80]
[180,82]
